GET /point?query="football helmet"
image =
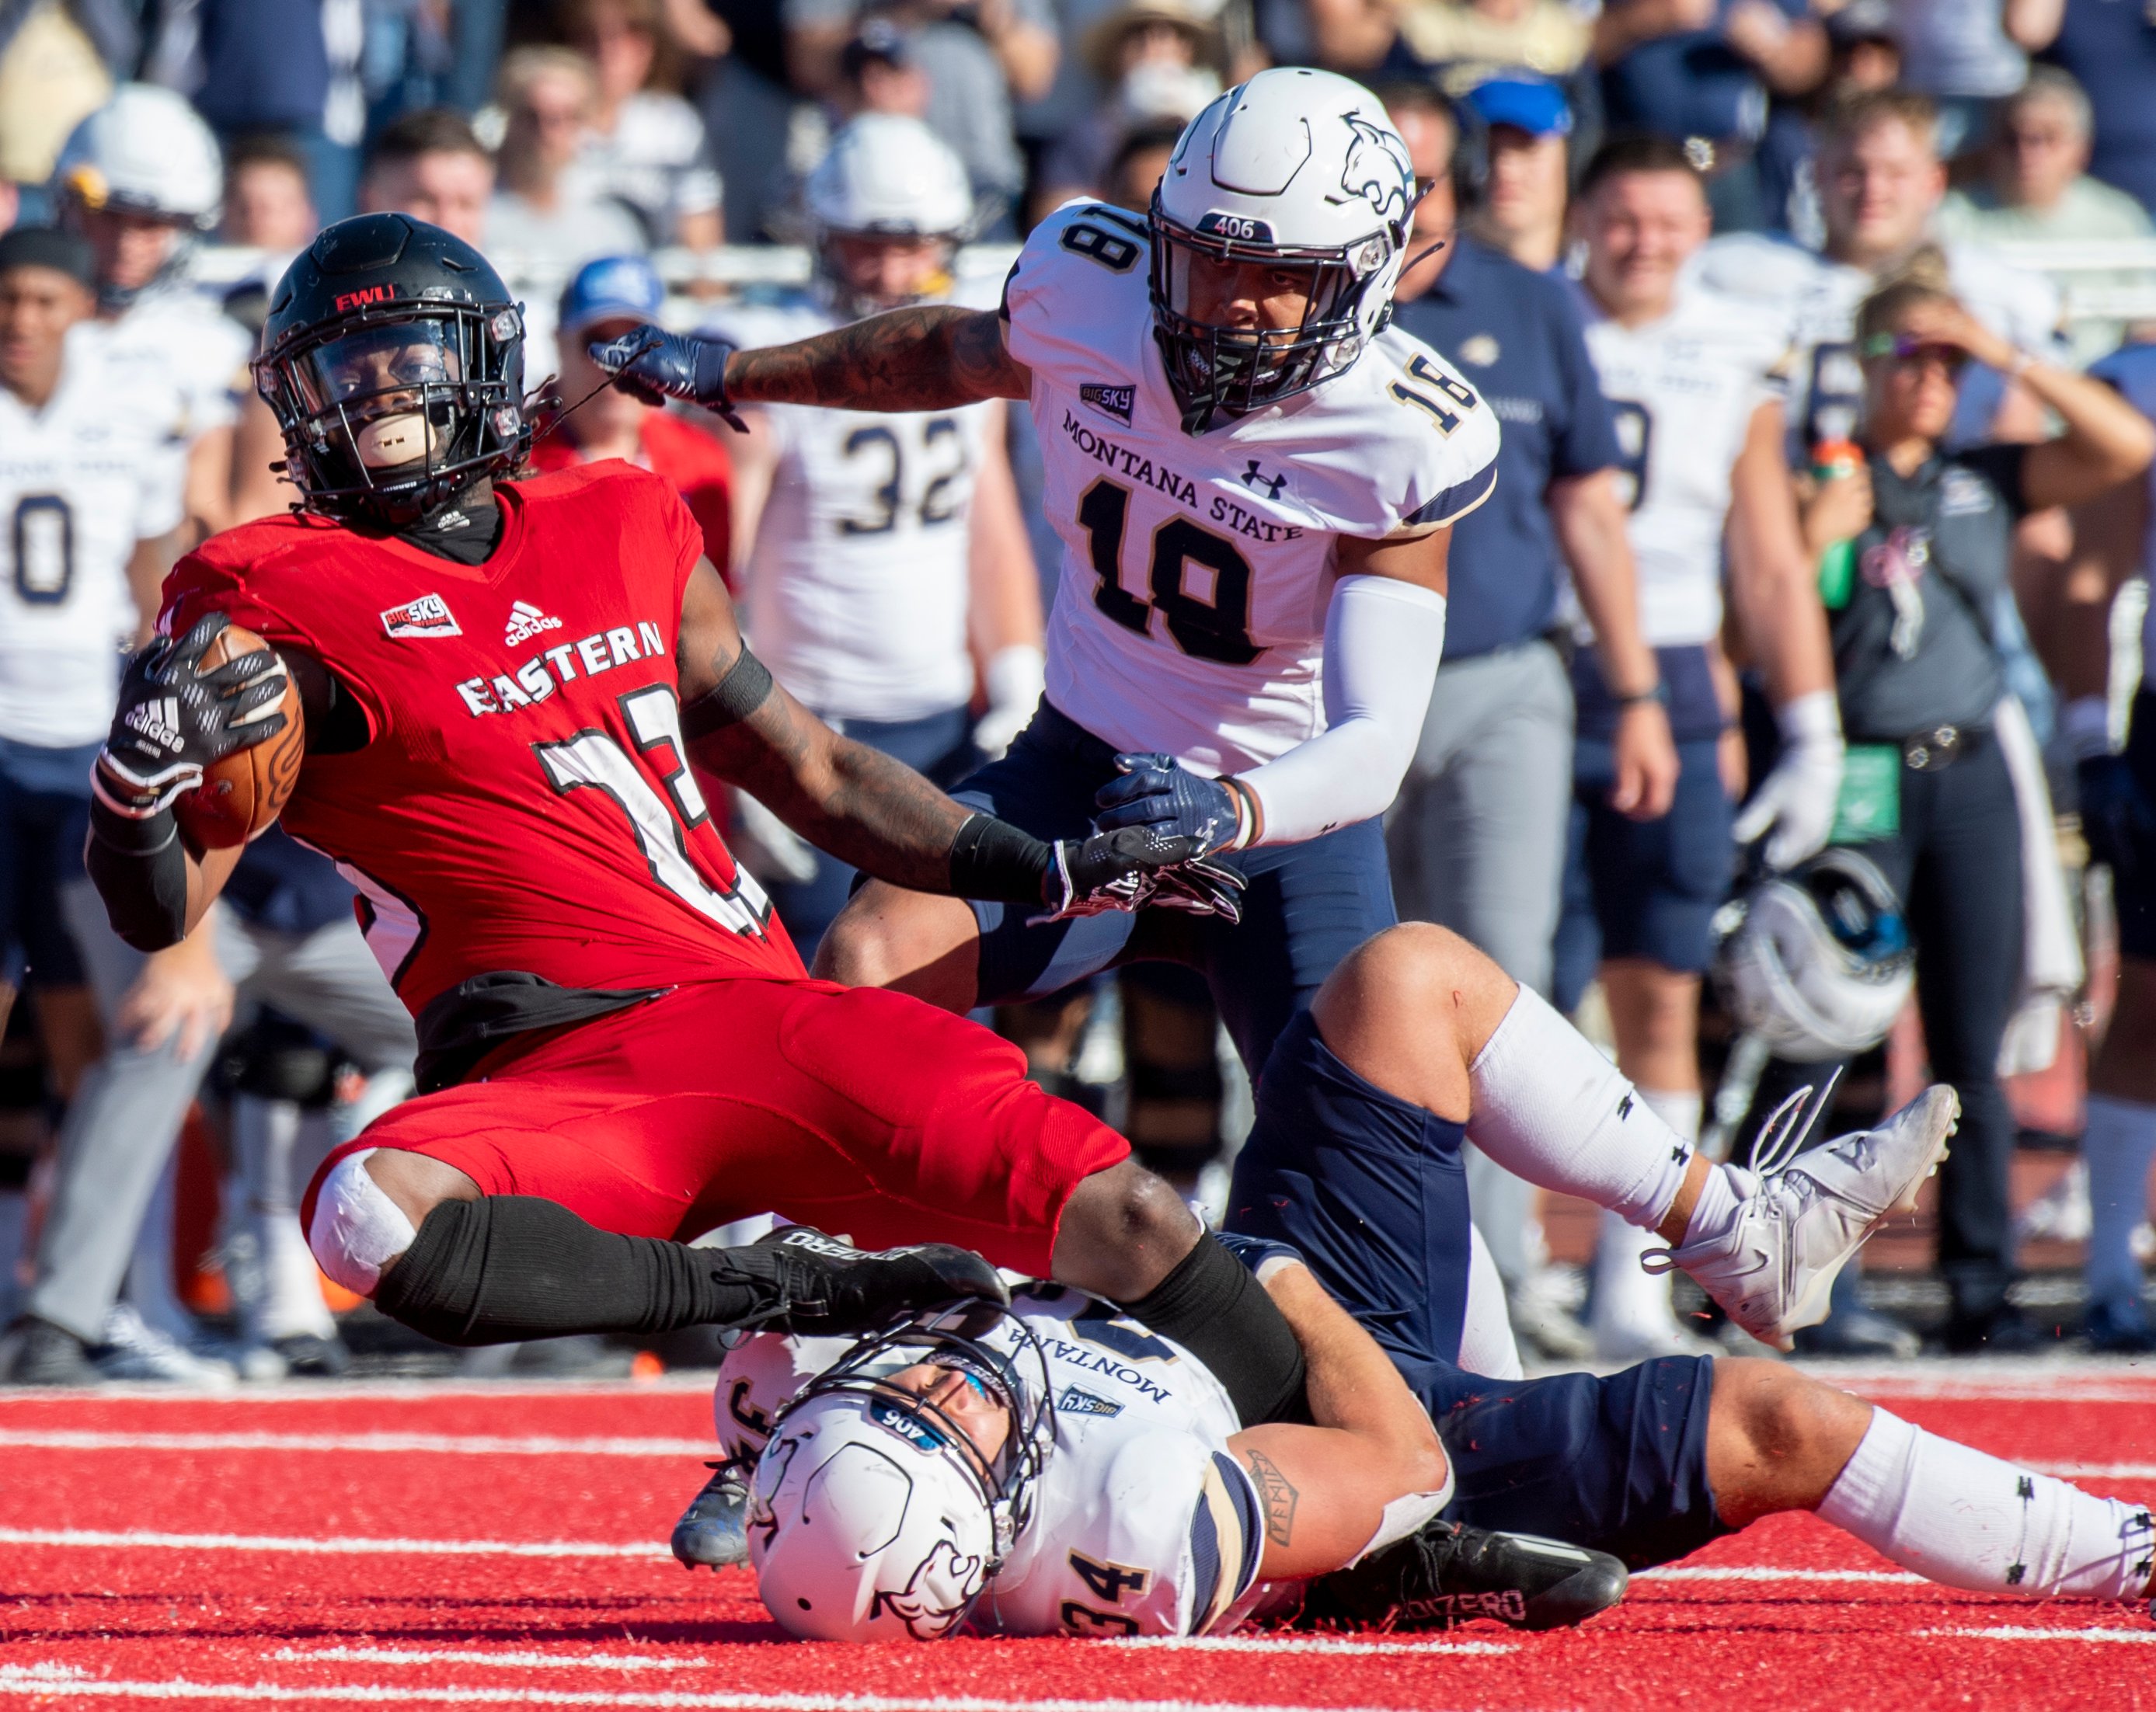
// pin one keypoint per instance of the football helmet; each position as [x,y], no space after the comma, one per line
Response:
[1300,173]
[393,359]
[1817,962]
[874,1515]
[884,176]
[147,152]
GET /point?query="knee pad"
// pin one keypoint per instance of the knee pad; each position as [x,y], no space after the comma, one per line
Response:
[358,1229]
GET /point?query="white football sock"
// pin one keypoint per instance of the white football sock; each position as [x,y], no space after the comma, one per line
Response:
[1552,1109]
[1965,1519]
[2119,1147]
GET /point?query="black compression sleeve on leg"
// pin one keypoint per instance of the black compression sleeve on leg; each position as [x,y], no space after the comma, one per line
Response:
[506,1268]
[1212,1305]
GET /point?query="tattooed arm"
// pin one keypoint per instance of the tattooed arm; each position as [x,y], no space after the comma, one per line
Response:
[1324,1488]
[843,797]
[932,358]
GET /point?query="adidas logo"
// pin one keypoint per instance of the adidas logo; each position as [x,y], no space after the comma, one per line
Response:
[158,720]
[527,621]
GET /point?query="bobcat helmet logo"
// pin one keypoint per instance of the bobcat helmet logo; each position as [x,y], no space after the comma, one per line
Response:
[925,1622]
[1378,170]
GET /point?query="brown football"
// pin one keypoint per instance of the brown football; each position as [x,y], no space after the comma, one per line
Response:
[241,795]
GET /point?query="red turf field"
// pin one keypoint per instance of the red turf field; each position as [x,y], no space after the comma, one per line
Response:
[421,1546]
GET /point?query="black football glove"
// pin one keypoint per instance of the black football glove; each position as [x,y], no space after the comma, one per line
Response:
[815,1285]
[653,364]
[175,719]
[2117,817]
[1155,790]
[1132,867]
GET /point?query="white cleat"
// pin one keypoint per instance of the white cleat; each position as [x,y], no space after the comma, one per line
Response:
[1802,1219]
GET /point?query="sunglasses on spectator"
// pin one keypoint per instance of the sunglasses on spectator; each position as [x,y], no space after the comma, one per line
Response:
[1910,351]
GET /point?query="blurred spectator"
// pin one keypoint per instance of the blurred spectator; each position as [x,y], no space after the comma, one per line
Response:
[1700,72]
[608,298]
[646,146]
[1520,210]
[1864,56]
[270,67]
[1155,61]
[431,165]
[748,111]
[1135,172]
[975,58]
[266,204]
[2039,190]
[1968,55]
[2110,48]
[55,71]
[1478,839]
[543,219]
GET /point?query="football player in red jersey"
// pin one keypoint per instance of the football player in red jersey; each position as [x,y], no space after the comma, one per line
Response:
[503,683]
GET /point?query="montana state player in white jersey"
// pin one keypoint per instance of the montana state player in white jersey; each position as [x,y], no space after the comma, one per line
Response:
[1694,382]
[879,556]
[1254,477]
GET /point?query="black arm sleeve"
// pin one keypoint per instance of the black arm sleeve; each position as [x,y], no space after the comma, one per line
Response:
[140,871]
[992,860]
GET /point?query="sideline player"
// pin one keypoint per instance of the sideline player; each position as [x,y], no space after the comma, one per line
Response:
[539,876]
[89,493]
[2118,816]
[1152,1515]
[1694,385]
[873,549]
[1255,478]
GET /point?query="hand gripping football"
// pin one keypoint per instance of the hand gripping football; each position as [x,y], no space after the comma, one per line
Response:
[242,794]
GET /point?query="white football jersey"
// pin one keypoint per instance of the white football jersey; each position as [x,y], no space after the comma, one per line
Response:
[81,481]
[1189,617]
[1143,1522]
[176,340]
[1682,392]
[856,592]
[1819,299]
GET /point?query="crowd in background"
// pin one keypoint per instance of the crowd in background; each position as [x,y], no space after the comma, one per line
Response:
[1879,140]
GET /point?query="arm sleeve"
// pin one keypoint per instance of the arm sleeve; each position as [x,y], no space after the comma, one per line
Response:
[1384,638]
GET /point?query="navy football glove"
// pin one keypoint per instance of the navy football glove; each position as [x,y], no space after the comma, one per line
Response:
[649,363]
[1155,792]
[2117,817]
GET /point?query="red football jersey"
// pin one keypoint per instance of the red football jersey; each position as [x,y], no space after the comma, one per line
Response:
[525,803]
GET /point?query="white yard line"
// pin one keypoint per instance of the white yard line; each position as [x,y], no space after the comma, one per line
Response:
[630,1661]
[2007,1633]
[56,1681]
[1768,1572]
[393,1444]
[133,1540]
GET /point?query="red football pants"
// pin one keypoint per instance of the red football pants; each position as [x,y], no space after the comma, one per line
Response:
[851,1108]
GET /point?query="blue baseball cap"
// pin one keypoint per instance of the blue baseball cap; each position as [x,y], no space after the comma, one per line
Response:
[1533,104]
[615,287]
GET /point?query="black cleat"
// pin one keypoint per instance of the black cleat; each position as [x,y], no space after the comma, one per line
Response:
[819,1286]
[1446,1574]
[37,1352]
[307,1356]
[713,1532]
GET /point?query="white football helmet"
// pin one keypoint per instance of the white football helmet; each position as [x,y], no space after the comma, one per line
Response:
[873,1517]
[1817,962]
[144,151]
[885,176]
[1297,172]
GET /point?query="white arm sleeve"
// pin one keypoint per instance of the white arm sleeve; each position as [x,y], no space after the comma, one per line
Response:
[1383,640]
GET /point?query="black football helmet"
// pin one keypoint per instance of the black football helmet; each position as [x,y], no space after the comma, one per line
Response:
[393,359]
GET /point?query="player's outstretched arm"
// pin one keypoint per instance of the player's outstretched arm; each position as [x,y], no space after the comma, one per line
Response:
[878,814]
[935,357]
[173,721]
[1324,1488]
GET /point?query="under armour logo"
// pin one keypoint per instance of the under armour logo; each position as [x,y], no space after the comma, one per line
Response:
[1678,1155]
[158,720]
[1624,1108]
[1271,484]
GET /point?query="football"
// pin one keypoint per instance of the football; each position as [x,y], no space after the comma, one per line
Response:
[241,795]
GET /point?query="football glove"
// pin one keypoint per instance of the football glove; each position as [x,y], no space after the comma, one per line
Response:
[1794,808]
[175,719]
[1131,868]
[2117,817]
[816,1286]
[1155,792]
[649,363]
